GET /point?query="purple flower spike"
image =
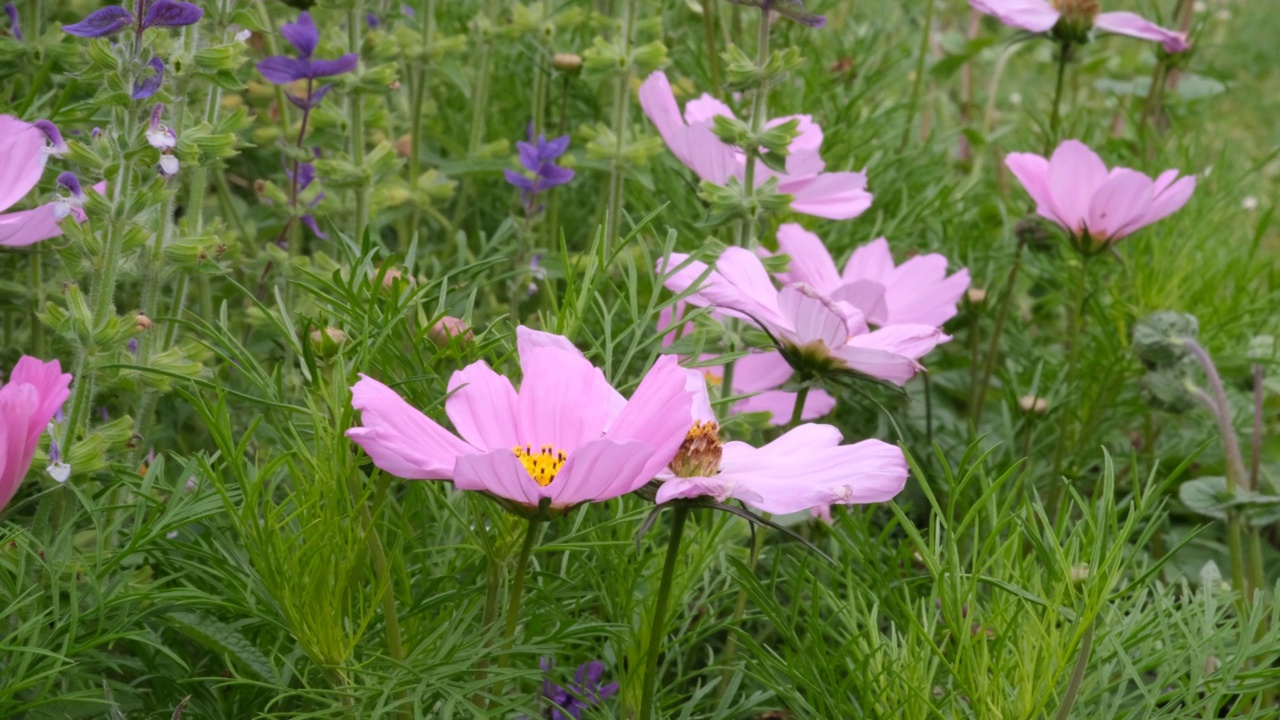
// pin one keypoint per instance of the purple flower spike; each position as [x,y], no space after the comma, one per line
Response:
[73,200]
[168,13]
[101,22]
[302,35]
[538,158]
[585,692]
[15,28]
[57,146]
[147,86]
[282,69]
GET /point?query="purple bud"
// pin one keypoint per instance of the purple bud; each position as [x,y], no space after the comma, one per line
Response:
[69,182]
[103,412]
[14,27]
[96,133]
[54,454]
[372,20]
[167,13]
[406,10]
[101,22]
[191,484]
[147,86]
[132,346]
[60,416]
[302,35]
[57,146]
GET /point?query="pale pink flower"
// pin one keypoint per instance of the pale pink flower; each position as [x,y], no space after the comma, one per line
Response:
[805,469]
[1095,205]
[808,324]
[918,291]
[836,195]
[567,437]
[1039,16]
[34,394]
[24,148]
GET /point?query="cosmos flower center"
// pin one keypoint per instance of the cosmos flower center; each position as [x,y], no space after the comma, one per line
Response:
[700,453]
[1077,10]
[542,464]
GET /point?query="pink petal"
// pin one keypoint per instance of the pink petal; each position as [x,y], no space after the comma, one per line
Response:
[704,109]
[1075,174]
[27,227]
[602,470]
[1127,23]
[813,317]
[1032,15]
[780,404]
[1033,172]
[666,319]
[810,260]
[482,407]
[658,416]
[696,386]
[872,261]
[399,438]
[1170,196]
[803,158]
[22,146]
[1119,205]
[499,473]
[720,488]
[890,353]
[835,196]
[868,296]
[760,370]
[564,401]
[528,339]
[922,294]
[18,405]
[52,387]
[697,147]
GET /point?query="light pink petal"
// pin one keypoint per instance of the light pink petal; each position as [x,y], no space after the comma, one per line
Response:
[28,227]
[564,400]
[743,270]
[666,319]
[813,317]
[1033,172]
[720,488]
[1127,23]
[658,415]
[1075,174]
[922,294]
[528,339]
[835,196]
[399,438]
[18,405]
[704,109]
[482,407]
[22,159]
[868,296]
[810,260]
[696,386]
[872,261]
[761,370]
[1032,15]
[891,353]
[710,159]
[1119,205]
[602,470]
[1170,196]
[499,473]
[697,147]
[52,387]
[780,404]
[803,158]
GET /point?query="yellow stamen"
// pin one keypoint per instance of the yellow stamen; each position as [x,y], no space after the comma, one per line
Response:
[699,455]
[543,464]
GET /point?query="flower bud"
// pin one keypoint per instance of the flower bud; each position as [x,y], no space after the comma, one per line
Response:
[1033,404]
[446,329]
[142,322]
[1079,573]
[567,63]
[976,296]
[326,342]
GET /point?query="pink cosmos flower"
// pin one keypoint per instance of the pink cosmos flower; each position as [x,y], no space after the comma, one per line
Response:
[757,375]
[805,469]
[1040,16]
[836,196]
[34,394]
[1074,189]
[23,152]
[809,324]
[566,437]
[918,291]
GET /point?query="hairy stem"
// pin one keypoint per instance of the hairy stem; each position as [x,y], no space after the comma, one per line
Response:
[918,82]
[621,113]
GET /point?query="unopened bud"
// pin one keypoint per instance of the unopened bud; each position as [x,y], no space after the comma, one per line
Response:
[259,185]
[404,146]
[1031,403]
[326,342]
[142,322]
[391,275]
[446,329]
[976,296]
[1079,573]
[395,85]
[568,63]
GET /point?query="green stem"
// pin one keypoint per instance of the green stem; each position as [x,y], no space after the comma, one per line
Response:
[515,597]
[1055,116]
[993,348]
[657,631]
[428,11]
[38,339]
[746,231]
[1077,674]
[621,113]
[797,412]
[355,106]
[493,584]
[918,82]
[713,50]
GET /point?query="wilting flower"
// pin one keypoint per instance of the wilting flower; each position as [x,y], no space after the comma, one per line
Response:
[111,20]
[1075,18]
[1074,189]
[164,139]
[538,156]
[282,69]
[917,291]
[815,332]
[806,468]
[15,27]
[147,86]
[585,691]
[34,393]
[23,152]
[567,437]
[836,196]
[790,9]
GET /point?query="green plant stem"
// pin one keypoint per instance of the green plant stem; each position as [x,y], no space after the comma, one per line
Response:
[515,597]
[918,82]
[416,102]
[39,340]
[355,106]
[993,348]
[1077,673]
[657,631]
[797,411]
[1055,114]
[713,50]
[621,115]
[745,234]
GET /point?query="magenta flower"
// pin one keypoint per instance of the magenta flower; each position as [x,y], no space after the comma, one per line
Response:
[567,437]
[1074,189]
[806,468]
[812,329]
[836,196]
[918,291]
[147,14]
[34,394]
[1040,16]
[24,148]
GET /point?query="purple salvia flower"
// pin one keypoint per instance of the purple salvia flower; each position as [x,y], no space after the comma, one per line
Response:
[538,158]
[95,133]
[57,146]
[585,691]
[147,86]
[113,19]
[132,346]
[282,69]
[57,469]
[74,199]
[163,139]
[15,28]
[372,20]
